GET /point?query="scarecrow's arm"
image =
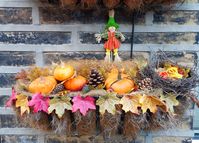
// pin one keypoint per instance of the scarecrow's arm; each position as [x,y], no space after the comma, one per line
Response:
[101,36]
[105,35]
[120,35]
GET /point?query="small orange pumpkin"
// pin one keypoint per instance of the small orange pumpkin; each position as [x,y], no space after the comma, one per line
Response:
[63,72]
[43,85]
[75,84]
[119,82]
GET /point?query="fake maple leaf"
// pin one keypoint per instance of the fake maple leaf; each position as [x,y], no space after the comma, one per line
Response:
[12,98]
[170,100]
[83,104]
[151,103]
[39,103]
[59,104]
[107,103]
[22,103]
[131,103]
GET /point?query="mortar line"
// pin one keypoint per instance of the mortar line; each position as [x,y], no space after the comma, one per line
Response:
[27,3]
[148,138]
[149,18]
[35,15]
[41,139]
[97,47]
[39,59]
[154,28]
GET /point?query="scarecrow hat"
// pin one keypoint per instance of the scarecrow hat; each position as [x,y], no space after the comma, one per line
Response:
[111,22]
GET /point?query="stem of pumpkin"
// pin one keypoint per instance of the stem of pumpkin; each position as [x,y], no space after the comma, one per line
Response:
[119,77]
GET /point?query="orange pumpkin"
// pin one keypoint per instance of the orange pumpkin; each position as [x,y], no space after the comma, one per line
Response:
[119,82]
[43,85]
[63,72]
[75,84]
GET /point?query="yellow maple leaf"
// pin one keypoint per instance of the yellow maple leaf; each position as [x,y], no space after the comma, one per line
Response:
[131,103]
[151,103]
[22,103]
[107,103]
[59,105]
[170,100]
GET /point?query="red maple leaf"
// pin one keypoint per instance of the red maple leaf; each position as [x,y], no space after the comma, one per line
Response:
[83,104]
[11,99]
[39,103]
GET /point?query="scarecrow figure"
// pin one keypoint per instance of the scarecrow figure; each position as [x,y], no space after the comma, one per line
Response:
[113,38]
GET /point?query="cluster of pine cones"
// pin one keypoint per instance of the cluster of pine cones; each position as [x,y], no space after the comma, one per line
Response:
[145,83]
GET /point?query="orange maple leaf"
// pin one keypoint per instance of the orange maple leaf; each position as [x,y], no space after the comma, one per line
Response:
[152,103]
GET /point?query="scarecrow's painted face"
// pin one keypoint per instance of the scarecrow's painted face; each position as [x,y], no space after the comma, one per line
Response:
[112,29]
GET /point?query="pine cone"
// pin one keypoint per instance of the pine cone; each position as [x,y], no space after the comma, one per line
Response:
[59,87]
[146,83]
[95,78]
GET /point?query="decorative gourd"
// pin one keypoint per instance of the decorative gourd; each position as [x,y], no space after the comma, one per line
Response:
[119,82]
[43,85]
[75,84]
[63,72]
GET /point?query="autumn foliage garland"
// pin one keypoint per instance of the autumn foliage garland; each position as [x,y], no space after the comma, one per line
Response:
[143,109]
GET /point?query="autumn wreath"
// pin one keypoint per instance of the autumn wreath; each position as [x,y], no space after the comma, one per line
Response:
[111,4]
[94,97]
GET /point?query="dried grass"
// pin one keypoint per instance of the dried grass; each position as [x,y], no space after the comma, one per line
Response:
[109,124]
[63,125]
[85,125]
[110,4]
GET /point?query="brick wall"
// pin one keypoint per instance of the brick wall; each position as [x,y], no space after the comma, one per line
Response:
[30,34]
